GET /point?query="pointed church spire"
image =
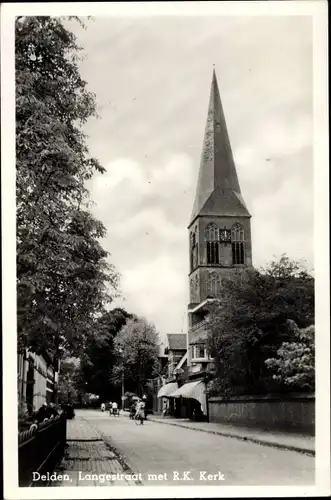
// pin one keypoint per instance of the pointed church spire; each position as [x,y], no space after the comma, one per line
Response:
[218,190]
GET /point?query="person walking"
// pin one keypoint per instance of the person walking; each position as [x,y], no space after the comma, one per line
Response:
[144,399]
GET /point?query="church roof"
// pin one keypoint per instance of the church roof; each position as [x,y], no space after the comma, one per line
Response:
[218,190]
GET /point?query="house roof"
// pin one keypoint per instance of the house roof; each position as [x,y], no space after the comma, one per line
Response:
[177,341]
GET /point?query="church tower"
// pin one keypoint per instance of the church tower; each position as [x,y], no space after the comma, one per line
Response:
[219,228]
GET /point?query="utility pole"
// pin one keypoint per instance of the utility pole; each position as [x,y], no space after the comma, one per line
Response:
[123,388]
[121,354]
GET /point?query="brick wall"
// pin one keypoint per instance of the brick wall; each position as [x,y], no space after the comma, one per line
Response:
[292,413]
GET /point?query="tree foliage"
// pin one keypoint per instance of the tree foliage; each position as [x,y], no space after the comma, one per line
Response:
[137,354]
[69,380]
[294,364]
[99,357]
[63,277]
[249,324]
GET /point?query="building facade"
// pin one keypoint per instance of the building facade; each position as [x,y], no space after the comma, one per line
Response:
[175,349]
[37,380]
[219,230]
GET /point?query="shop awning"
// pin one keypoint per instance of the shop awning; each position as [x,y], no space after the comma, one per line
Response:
[167,389]
[195,390]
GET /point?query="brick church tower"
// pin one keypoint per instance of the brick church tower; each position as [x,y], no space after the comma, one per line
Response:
[219,229]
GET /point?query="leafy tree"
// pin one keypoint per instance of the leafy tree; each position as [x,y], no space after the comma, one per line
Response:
[68,380]
[249,324]
[295,361]
[137,354]
[99,356]
[63,278]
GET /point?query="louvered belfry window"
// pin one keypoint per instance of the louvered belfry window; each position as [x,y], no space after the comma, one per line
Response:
[213,242]
[238,244]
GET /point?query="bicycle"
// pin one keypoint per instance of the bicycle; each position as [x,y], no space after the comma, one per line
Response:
[138,419]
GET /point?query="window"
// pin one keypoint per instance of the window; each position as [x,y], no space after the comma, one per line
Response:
[192,242]
[194,250]
[199,351]
[212,232]
[213,285]
[196,287]
[192,289]
[238,244]
[212,239]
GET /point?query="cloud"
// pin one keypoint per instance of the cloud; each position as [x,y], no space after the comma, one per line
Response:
[147,239]
[154,286]
[152,82]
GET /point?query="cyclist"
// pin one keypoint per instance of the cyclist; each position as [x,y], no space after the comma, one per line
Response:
[140,411]
[133,410]
[115,408]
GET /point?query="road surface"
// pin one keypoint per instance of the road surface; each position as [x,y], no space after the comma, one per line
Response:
[168,455]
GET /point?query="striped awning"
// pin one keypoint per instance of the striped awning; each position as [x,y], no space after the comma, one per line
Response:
[167,389]
[195,390]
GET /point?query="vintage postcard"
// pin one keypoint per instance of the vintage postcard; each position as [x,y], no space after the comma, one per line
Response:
[165,249]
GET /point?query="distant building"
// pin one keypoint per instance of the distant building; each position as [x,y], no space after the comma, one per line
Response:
[157,382]
[172,361]
[176,348]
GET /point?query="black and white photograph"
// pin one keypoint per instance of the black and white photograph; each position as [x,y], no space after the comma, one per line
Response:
[166,298]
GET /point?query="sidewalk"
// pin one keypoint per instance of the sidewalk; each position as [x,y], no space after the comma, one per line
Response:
[294,442]
[89,460]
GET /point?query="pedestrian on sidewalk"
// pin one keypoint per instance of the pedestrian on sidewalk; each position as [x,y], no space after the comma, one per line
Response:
[43,413]
[166,409]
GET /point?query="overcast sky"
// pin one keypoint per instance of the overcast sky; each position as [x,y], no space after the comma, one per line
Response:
[152,78]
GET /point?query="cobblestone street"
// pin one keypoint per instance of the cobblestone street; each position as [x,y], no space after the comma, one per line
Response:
[87,456]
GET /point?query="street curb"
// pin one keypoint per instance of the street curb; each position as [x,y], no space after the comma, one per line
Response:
[242,438]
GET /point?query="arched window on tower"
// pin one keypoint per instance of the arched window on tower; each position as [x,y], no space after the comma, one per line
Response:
[213,285]
[192,243]
[196,287]
[194,250]
[213,242]
[238,244]
[192,290]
